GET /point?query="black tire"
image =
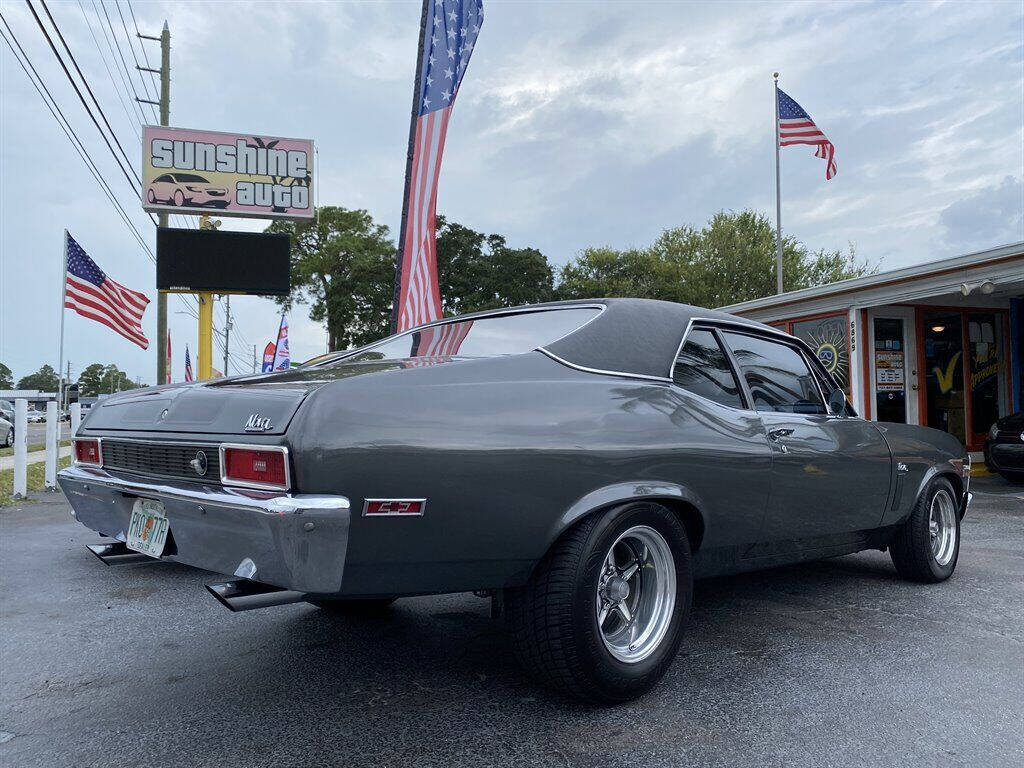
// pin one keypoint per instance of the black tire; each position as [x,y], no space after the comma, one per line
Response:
[1017,478]
[911,548]
[353,606]
[553,619]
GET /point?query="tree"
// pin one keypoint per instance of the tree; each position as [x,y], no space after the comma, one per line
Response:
[99,379]
[342,264]
[6,377]
[731,259]
[45,380]
[478,271]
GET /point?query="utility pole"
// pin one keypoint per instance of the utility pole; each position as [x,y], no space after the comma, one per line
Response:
[165,118]
[227,330]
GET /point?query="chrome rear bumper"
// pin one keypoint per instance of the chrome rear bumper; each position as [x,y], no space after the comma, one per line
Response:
[298,542]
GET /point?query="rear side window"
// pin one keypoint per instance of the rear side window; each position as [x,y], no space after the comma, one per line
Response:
[703,369]
[483,337]
[776,374]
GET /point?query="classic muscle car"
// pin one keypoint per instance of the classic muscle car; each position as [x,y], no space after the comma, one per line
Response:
[578,462]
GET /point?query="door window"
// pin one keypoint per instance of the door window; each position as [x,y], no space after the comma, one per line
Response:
[703,369]
[777,375]
[944,372]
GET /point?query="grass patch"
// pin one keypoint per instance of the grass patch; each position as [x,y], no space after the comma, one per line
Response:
[10,451]
[36,479]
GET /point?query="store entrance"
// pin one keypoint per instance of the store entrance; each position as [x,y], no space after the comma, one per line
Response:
[944,373]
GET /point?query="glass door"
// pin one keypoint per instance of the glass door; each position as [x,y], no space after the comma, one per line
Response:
[984,343]
[944,373]
[890,364]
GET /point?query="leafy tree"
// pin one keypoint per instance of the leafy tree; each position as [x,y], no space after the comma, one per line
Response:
[45,380]
[342,264]
[478,271]
[6,377]
[731,259]
[98,379]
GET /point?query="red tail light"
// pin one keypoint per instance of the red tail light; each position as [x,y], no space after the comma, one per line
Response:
[255,467]
[88,452]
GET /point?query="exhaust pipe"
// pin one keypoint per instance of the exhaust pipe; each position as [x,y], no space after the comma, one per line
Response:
[117,553]
[246,595]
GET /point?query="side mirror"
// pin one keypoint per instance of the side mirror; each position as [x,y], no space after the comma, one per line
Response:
[837,403]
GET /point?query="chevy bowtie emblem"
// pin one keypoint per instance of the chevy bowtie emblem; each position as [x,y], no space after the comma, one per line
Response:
[200,463]
[257,423]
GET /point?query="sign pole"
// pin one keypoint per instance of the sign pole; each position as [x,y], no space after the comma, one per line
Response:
[778,197]
[63,298]
[163,376]
[205,335]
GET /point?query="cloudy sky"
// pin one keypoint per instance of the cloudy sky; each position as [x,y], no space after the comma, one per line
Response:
[579,123]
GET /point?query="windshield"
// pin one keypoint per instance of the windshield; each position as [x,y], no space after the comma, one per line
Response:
[481,337]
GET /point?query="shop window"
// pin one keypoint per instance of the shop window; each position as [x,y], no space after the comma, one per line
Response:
[829,338]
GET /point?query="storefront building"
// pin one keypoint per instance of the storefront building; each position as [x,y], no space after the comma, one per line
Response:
[938,344]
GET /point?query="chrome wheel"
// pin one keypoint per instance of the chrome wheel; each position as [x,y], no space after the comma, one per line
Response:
[942,527]
[636,594]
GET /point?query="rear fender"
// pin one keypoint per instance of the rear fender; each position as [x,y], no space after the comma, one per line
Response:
[624,493]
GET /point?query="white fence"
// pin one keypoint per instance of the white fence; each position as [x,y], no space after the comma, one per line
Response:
[52,445]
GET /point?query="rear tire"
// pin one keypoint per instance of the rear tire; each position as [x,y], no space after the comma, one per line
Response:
[927,545]
[602,616]
[352,606]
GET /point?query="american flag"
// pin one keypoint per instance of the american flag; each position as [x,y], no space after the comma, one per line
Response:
[91,293]
[188,366]
[797,127]
[452,27]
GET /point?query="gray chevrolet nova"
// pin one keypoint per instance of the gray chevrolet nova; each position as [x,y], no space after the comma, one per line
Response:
[579,462]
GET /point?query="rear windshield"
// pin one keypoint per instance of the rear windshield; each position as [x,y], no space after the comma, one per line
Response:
[482,337]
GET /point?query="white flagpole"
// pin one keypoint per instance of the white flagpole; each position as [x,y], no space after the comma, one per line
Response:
[778,197]
[63,298]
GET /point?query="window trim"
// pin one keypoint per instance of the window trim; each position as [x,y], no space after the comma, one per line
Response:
[745,400]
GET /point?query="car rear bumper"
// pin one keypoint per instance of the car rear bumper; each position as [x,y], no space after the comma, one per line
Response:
[297,542]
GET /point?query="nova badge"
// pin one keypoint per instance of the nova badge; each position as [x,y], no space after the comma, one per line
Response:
[257,423]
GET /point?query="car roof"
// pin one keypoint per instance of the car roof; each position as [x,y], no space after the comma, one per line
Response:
[637,337]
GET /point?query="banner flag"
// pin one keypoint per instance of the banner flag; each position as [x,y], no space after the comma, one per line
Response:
[268,357]
[282,358]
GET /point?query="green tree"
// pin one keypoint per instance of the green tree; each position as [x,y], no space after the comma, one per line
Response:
[45,380]
[478,271]
[99,379]
[6,377]
[342,264]
[731,259]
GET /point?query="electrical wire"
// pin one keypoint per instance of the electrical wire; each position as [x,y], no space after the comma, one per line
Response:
[124,105]
[129,92]
[124,64]
[138,66]
[145,57]
[65,125]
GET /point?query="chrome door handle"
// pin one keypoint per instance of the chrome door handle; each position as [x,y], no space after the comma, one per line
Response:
[775,435]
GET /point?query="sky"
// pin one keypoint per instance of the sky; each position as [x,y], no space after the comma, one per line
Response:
[578,124]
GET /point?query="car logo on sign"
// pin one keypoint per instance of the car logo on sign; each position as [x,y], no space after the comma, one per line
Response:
[200,463]
[257,423]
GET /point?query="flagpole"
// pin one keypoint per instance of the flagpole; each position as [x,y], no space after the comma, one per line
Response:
[63,298]
[400,257]
[778,197]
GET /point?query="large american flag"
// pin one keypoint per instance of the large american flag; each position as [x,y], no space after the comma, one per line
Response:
[797,127]
[452,27]
[91,293]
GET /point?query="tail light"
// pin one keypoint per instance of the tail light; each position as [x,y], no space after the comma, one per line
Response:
[252,466]
[88,451]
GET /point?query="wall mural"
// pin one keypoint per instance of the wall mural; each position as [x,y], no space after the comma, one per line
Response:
[830,339]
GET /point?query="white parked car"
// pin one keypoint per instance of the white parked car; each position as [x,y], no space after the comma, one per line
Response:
[6,433]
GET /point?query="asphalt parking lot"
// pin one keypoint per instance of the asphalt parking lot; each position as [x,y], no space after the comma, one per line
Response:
[829,663]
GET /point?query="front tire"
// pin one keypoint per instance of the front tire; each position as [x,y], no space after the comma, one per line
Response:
[602,616]
[927,545]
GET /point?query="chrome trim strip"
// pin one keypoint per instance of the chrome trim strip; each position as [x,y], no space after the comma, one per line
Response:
[718,322]
[585,369]
[423,509]
[153,441]
[251,484]
[206,495]
[74,453]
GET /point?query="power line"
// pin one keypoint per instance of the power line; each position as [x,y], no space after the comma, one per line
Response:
[124,64]
[145,56]
[85,82]
[138,66]
[128,90]
[81,98]
[65,126]
[130,115]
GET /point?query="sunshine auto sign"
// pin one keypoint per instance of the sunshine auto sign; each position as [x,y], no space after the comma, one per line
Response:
[188,171]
